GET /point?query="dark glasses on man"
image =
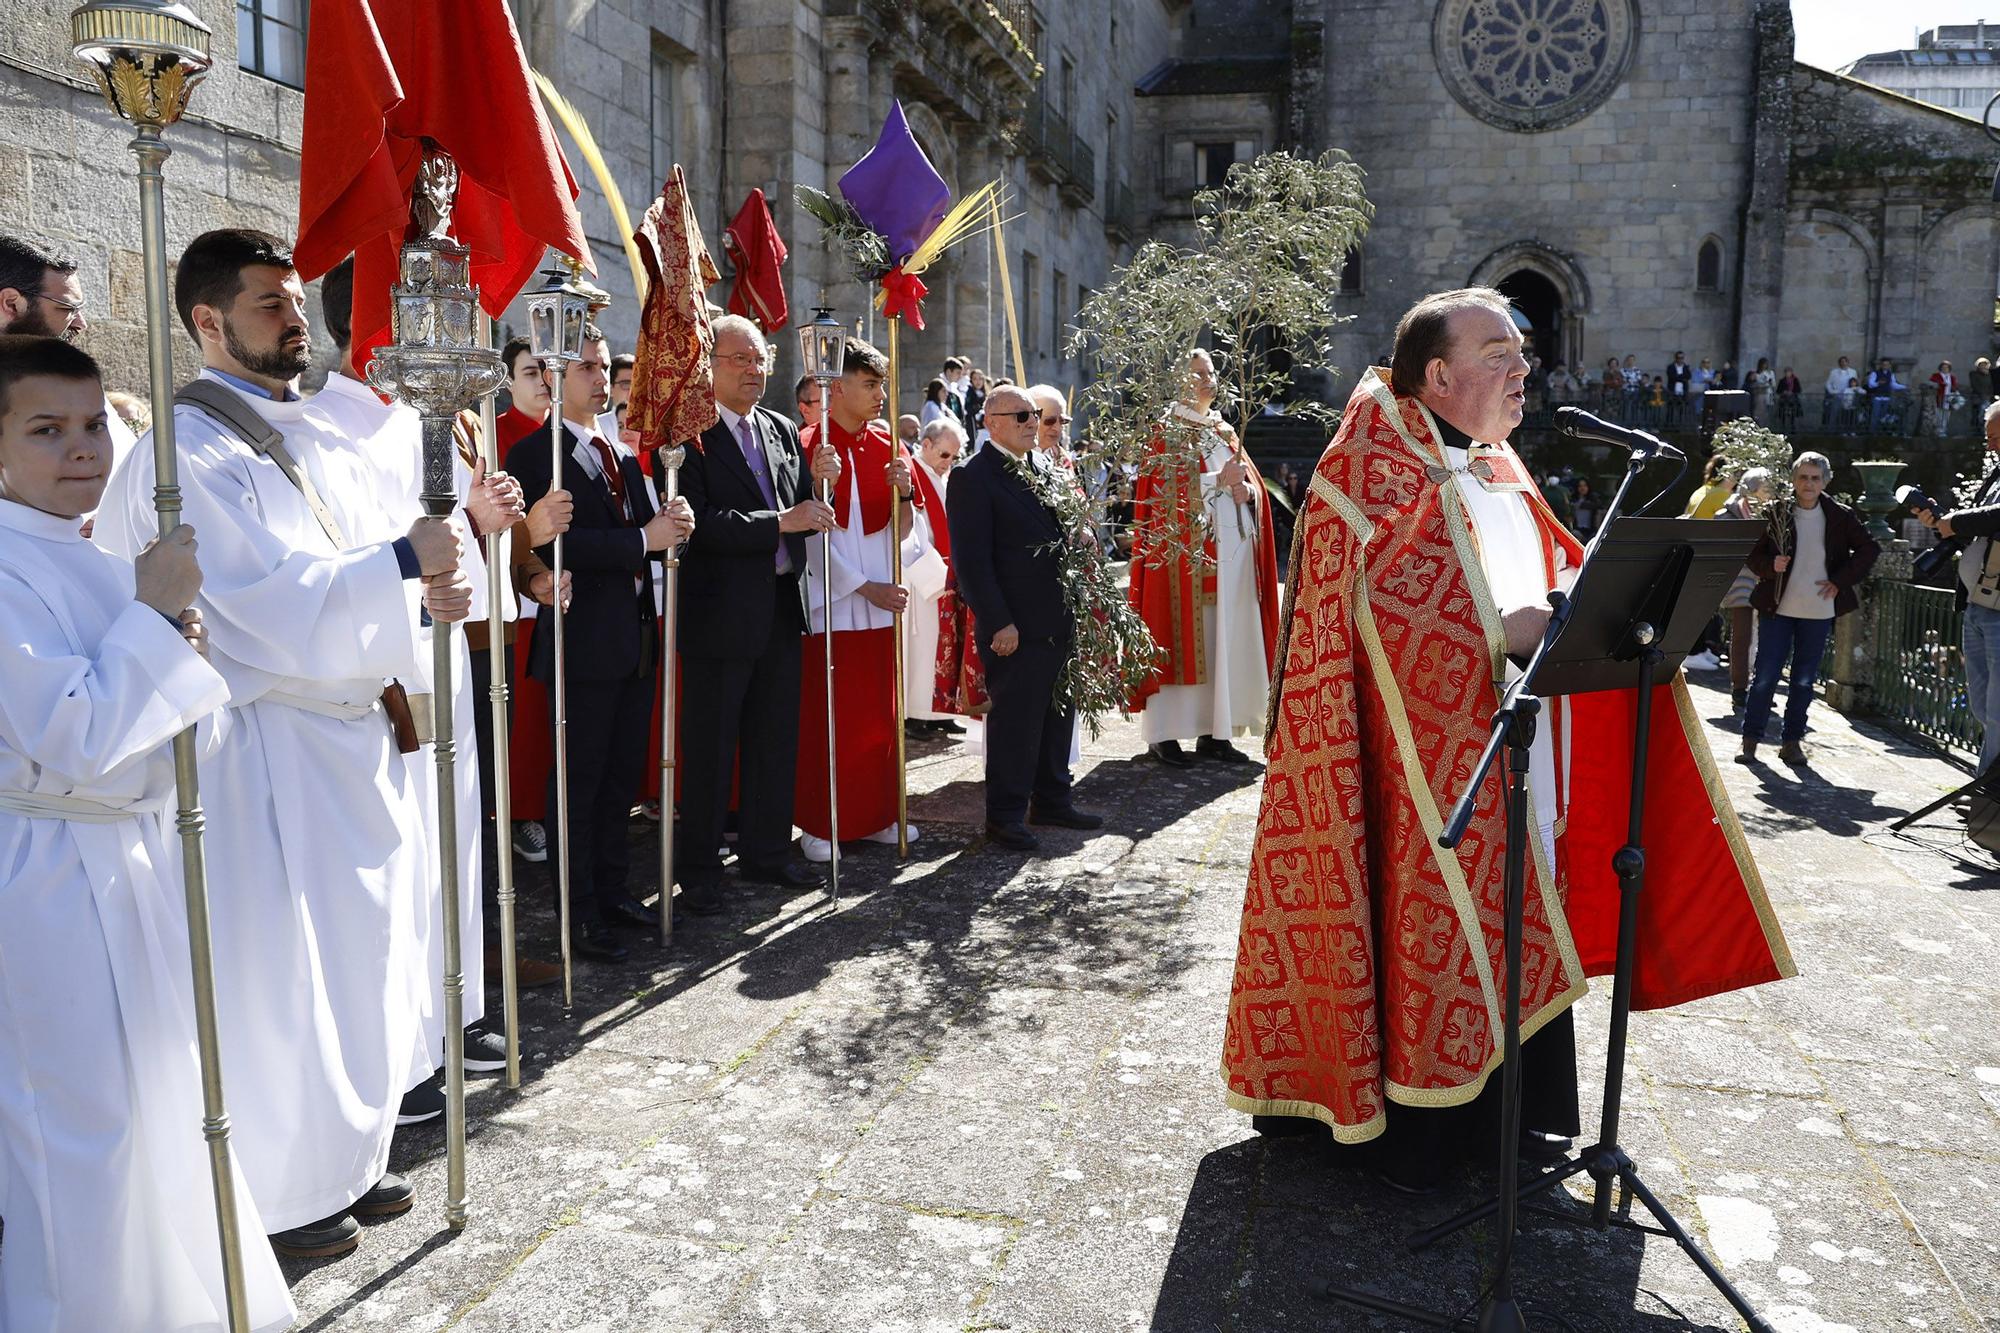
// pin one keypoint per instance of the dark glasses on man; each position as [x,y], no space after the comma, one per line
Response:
[1029,415]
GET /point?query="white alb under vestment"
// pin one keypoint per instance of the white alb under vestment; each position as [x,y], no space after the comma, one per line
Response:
[317,854]
[1232,701]
[858,557]
[104,1173]
[386,442]
[1510,557]
[925,578]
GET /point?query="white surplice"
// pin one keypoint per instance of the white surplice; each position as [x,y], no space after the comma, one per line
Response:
[104,1176]
[925,578]
[317,854]
[1233,699]
[858,557]
[1510,556]
[387,456]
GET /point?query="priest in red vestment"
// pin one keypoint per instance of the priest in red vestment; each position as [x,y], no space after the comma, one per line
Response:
[1217,624]
[864,600]
[1369,963]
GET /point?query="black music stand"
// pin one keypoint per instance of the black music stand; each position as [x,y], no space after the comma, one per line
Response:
[1646,589]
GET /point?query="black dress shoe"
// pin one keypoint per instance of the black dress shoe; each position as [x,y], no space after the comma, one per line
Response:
[1544,1149]
[1208,747]
[319,1240]
[944,726]
[784,875]
[423,1102]
[1171,754]
[598,943]
[1067,817]
[631,915]
[1014,837]
[391,1195]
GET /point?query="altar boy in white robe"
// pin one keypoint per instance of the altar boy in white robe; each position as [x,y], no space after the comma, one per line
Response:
[387,441]
[319,883]
[104,1177]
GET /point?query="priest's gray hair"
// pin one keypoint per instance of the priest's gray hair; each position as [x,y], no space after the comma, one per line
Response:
[1042,392]
[942,426]
[1811,458]
[740,324]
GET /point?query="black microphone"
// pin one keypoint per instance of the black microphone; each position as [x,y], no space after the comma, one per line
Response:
[1576,424]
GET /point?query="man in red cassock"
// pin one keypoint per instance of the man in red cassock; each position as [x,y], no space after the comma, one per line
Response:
[864,600]
[1370,963]
[1215,624]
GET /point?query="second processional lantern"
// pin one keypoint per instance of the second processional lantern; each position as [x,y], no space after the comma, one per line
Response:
[557,313]
[822,350]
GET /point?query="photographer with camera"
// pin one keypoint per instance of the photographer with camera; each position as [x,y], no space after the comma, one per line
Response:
[1976,524]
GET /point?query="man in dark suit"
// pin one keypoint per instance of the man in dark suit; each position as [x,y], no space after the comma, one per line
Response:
[743,610]
[612,634]
[1000,539]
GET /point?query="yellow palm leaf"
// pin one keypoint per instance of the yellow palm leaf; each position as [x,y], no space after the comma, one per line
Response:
[967,218]
[586,143]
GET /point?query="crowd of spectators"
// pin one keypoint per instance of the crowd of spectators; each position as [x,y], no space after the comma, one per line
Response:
[1849,400]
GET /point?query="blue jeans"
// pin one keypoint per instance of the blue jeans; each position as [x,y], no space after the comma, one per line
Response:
[1779,637]
[1981,641]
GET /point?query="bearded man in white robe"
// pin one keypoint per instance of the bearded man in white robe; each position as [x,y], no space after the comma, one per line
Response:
[319,858]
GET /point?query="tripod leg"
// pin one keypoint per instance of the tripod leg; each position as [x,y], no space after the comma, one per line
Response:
[1630,1179]
[1423,1240]
[1986,784]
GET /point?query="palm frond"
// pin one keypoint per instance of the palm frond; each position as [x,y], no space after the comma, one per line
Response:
[586,143]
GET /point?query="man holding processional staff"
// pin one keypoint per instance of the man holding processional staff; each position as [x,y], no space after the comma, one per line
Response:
[317,887]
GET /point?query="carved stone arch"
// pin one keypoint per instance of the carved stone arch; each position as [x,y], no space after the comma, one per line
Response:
[1526,270]
[1551,263]
[1957,278]
[1858,232]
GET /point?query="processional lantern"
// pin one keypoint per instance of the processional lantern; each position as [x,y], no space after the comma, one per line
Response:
[822,345]
[558,310]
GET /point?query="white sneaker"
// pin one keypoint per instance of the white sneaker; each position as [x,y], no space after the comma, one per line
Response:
[1704,661]
[817,850]
[888,835]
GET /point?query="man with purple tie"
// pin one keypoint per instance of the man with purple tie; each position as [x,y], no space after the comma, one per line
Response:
[743,613]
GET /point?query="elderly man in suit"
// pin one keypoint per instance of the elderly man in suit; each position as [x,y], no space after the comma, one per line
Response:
[616,534]
[1001,534]
[743,614]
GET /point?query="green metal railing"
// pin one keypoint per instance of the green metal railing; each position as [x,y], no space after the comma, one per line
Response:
[1919,671]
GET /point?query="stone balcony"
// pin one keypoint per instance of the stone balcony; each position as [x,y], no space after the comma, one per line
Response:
[977,56]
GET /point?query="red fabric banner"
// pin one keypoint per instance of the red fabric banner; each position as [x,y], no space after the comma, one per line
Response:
[753,245]
[382,76]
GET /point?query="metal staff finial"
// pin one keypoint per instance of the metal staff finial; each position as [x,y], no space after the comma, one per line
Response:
[148,55]
[439,366]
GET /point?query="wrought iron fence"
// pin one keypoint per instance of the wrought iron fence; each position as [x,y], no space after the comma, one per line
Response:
[1899,414]
[1918,669]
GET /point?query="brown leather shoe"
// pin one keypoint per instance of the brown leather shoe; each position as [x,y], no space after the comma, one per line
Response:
[529,973]
[1793,754]
[1748,754]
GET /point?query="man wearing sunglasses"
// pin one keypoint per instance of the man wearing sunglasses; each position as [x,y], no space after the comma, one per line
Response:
[1002,539]
[40,295]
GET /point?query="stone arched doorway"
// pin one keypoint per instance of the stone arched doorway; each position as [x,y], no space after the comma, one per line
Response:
[1550,292]
[1541,306]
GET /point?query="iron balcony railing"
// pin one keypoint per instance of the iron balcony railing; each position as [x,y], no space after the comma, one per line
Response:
[1919,669]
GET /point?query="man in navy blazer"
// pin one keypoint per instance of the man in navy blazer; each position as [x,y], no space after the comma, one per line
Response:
[611,636]
[742,618]
[1002,540]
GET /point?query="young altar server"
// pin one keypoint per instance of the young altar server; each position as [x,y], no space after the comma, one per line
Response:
[104,1177]
[318,883]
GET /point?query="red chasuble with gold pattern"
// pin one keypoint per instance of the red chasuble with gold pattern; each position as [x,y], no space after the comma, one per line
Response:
[1165,589]
[1369,965]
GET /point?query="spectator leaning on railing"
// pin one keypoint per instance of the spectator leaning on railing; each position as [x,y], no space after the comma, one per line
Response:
[1978,523]
[1808,564]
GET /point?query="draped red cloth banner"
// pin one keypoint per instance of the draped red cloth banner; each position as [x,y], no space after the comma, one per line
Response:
[752,243]
[673,380]
[383,76]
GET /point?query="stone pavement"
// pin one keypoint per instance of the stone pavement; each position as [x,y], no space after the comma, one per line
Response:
[982,1095]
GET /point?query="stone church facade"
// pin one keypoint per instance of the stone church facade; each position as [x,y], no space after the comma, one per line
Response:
[1642,180]
[1641,177]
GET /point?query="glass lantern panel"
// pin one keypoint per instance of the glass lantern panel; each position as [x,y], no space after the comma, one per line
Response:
[542,331]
